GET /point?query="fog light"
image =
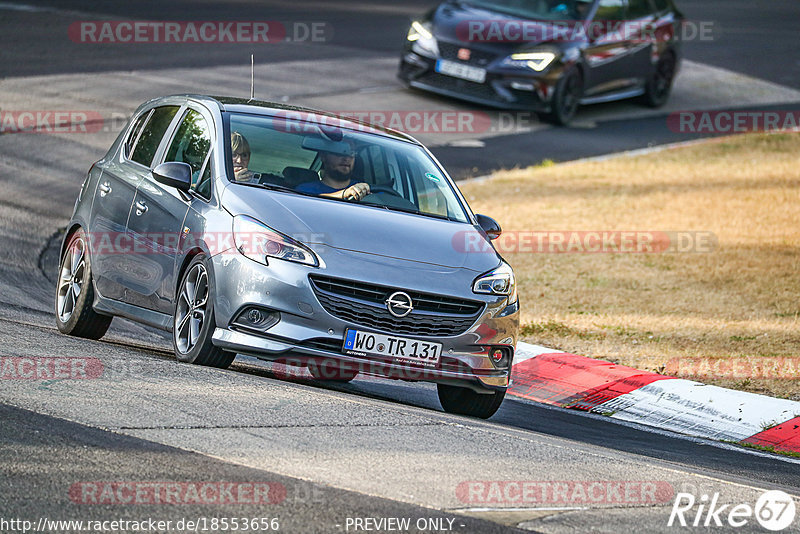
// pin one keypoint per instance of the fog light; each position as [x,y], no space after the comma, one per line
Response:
[258,319]
[500,356]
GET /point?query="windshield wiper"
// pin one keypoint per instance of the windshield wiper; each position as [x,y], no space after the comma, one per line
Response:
[409,210]
[278,187]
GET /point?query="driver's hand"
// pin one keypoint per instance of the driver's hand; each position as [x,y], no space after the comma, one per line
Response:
[356,192]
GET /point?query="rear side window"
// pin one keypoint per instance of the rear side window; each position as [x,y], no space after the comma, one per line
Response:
[135,132]
[151,135]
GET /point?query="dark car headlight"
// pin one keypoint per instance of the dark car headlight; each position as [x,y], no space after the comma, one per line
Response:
[421,35]
[499,281]
[536,60]
[258,242]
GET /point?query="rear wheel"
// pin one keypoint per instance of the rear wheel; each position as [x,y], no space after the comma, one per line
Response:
[75,293]
[659,85]
[464,401]
[566,98]
[193,319]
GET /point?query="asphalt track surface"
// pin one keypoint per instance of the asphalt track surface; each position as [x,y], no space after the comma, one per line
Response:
[369,449]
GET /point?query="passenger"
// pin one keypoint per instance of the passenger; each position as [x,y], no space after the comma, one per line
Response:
[336,178]
[240,149]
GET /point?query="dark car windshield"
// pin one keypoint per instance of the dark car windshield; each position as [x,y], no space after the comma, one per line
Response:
[286,154]
[537,9]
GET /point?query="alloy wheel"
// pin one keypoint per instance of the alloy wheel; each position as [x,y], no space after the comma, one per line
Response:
[70,280]
[191,310]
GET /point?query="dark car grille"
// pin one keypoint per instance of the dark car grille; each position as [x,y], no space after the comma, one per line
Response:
[363,304]
[477,57]
[476,90]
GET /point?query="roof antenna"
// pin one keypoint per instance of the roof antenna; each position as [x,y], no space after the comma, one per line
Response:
[252,78]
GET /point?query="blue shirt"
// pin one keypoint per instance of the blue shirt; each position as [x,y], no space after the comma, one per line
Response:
[320,188]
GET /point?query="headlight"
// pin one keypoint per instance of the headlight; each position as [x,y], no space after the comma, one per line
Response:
[258,242]
[421,35]
[537,61]
[497,282]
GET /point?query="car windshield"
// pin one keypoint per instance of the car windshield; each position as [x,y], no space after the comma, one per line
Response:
[538,9]
[289,153]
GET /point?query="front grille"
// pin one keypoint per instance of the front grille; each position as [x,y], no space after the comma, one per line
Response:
[477,58]
[482,91]
[363,304]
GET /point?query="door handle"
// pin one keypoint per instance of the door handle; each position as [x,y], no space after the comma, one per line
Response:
[105,189]
[141,208]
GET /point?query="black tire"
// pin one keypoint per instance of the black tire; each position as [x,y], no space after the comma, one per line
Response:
[74,313]
[193,319]
[464,401]
[331,371]
[658,87]
[566,98]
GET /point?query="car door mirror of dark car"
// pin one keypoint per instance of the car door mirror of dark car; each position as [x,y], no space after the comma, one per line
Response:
[174,174]
[489,225]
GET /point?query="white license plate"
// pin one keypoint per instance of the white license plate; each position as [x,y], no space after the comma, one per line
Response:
[401,349]
[459,70]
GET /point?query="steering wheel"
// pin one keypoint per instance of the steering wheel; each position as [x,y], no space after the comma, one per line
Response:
[384,189]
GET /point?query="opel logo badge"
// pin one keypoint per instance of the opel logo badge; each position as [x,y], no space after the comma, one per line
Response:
[399,304]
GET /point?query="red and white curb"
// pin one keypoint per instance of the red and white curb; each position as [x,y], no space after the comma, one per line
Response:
[576,382]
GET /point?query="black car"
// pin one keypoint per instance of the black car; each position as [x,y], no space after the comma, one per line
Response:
[548,56]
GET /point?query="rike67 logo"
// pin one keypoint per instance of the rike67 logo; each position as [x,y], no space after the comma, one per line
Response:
[774,510]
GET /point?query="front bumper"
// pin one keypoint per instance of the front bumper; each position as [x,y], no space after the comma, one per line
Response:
[501,89]
[288,353]
[307,332]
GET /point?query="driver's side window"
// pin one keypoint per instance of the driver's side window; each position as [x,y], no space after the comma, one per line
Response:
[191,144]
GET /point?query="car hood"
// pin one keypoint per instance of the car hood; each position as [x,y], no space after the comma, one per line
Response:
[451,23]
[364,229]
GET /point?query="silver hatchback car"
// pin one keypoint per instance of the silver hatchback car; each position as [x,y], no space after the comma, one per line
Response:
[293,236]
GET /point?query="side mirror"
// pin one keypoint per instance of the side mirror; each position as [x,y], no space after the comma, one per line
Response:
[174,174]
[489,226]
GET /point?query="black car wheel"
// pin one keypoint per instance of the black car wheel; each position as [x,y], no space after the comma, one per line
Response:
[463,401]
[193,319]
[659,84]
[75,293]
[566,98]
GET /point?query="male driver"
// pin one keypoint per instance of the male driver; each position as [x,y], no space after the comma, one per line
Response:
[335,178]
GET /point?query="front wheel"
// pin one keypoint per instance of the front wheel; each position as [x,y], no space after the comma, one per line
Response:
[566,98]
[463,401]
[75,293]
[658,86]
[193,319]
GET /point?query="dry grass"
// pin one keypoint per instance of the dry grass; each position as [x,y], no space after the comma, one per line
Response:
[730,317]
